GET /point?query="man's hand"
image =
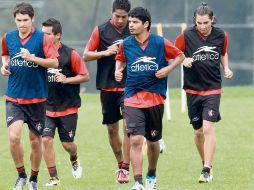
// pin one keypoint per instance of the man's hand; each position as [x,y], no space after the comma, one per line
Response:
[119,75]
[60,78]
[162,73]
[187,62]
[228,74]
[111,50]
[5,70]
[25,54]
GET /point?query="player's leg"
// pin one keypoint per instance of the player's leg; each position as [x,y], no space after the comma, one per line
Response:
[135,120]
[67,130]
[123,173]
[48,150]
[210,115]
[15,121]
[111,116]
[35,118]
[154,117]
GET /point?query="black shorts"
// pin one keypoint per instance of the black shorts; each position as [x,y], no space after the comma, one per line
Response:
[112,106]
[32,114]
[66,126]
[145,121]
[203,108]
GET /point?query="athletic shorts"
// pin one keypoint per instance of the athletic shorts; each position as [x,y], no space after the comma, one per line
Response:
[32,114]
[145,121]
[66,126]
[203,108]
[112,106]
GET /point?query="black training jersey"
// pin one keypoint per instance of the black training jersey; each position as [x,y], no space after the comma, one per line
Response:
[62,96]
[106,66]
[205,71]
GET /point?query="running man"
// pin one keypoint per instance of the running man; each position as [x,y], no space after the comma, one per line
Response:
[205,48]
[63,102]
[26,53]
[103,46]
[145,56]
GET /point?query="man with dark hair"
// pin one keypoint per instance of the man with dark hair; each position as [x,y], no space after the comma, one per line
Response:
[146,57]
[205,48]
[26,53]
[61,112]
[103,46]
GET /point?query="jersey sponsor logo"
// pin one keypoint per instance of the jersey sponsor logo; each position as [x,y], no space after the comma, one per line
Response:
[144,64]
[18,61]
[52,74]
[205,53]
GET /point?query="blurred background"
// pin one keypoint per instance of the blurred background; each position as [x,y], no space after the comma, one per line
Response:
[79,17]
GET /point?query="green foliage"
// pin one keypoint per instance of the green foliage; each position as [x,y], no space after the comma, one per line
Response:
[179,166]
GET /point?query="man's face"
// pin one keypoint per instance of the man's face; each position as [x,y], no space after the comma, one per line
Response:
[204,24]
[48,30]
[24,23]
[136,26]
[120,18]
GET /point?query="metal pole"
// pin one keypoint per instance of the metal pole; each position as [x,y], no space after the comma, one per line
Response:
[167,101]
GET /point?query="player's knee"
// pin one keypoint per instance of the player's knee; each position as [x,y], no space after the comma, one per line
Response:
[199,133]
[136,141]
[14,139]
[67,146]
[153,145]
[47,141]
[35,143]
[112,131]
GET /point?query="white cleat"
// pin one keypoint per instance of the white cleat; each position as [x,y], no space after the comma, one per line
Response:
[20,183]
[76,169]
[162,146]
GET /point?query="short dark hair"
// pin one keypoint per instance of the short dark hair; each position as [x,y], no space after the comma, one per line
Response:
[56,25]
[23,8]
[121,4]
[142,14]
[201,10]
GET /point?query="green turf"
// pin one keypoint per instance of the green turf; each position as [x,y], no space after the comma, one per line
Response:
[179,166]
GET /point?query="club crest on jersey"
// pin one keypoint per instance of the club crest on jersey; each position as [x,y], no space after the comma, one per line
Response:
[210,113]
[154,133]
[205,53]
[38,126]
[144,64]
[70,134]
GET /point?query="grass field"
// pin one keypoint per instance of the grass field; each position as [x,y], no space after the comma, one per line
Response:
[179,166]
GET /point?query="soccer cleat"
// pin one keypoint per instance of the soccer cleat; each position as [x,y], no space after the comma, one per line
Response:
[205,177]
[122,176]
[162,145]
[151,183]
[20,183]
[32,185]
[137,186]
[76,169]
[53,181]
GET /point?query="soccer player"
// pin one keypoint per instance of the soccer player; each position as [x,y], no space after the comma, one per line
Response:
[145,56]
[103,46]
[26,53]
[205,48]
[63,102]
